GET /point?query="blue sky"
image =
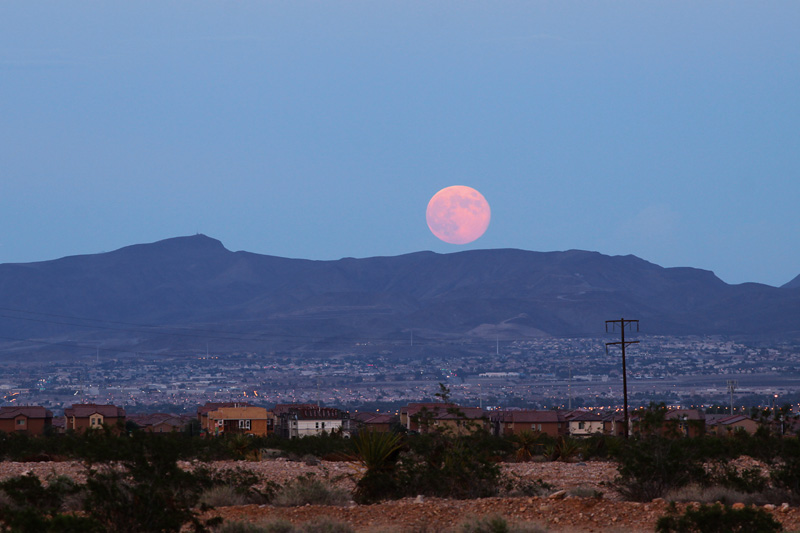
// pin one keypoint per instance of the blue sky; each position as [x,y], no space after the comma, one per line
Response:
[667,130]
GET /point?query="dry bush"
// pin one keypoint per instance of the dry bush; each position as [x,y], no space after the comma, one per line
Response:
[309,490]
[716,493]
[223,496]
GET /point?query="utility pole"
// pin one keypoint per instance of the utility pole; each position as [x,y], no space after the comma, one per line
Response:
[622,343]
[732,383]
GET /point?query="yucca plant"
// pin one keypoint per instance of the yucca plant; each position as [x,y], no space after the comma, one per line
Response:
[378,452]
[527,442]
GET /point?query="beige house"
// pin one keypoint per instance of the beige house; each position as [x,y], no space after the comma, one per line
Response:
[244,420]
[85,416]
[584,423]
[436,416]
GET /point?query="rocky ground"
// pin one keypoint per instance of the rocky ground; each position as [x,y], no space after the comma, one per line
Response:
[573,509]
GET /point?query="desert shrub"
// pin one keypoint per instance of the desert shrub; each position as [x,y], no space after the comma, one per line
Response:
[585,492]
[147,492]
[563,449]
[378,452]
[695,492]
[748,480]
[488,524]
[29,506]
[718,519]
[518,486]
[309,490]
[271,526]
[648,468]
[222,496]
[242,481]
[528,444]
[449,467]
[325,524]
[786,475]
[497,524]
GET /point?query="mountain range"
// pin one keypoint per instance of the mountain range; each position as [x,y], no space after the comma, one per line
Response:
[179,294]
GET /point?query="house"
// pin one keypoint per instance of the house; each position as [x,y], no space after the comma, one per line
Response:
[31,420]
[726,425]
[248,420]
[203,410]
[614,424]
[669,422]
[160,422]
[83,416]
[429,416]
[514,422]
[584,423]
[686,422]
[366,421]
[302,420]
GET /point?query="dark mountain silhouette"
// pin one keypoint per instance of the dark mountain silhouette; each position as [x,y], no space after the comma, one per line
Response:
[794,284]
[176,294]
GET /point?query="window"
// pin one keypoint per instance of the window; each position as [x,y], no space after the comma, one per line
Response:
[581,425]
[244,424]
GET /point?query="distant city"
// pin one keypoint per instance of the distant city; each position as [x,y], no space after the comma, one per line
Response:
[541,373]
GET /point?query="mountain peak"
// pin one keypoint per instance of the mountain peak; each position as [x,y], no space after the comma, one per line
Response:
[794,284]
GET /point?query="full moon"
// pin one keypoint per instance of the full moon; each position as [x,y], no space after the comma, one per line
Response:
[458,214]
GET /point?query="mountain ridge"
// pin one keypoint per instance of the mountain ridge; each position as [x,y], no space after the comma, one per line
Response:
[195,282]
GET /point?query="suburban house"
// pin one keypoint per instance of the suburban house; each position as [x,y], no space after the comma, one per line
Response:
[725,425]
[514,422]
[203,410]
[675,422]
[614,424]
[31,420]
[248,420]
[687,422]
[301,420]
[366,421]
[584,423]
[160,422]
[429,416]
[83,416]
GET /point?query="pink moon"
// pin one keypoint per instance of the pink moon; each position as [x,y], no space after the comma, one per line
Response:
[458,214]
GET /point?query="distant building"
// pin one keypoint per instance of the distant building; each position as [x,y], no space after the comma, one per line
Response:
[584,423]
[515,421]
[203,410]
[248,420]
[366,421]
[726,425]
[85,416]
[31,420]
[301,420]
[160,422]
[429,416]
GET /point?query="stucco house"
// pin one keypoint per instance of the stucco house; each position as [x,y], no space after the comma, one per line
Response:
[301,420]
[31,420]
[515,421]
[85,416]
[248,420]
[584,423]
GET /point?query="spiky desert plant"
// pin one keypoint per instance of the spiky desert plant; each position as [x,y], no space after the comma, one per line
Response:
[378,452]
[526,442]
